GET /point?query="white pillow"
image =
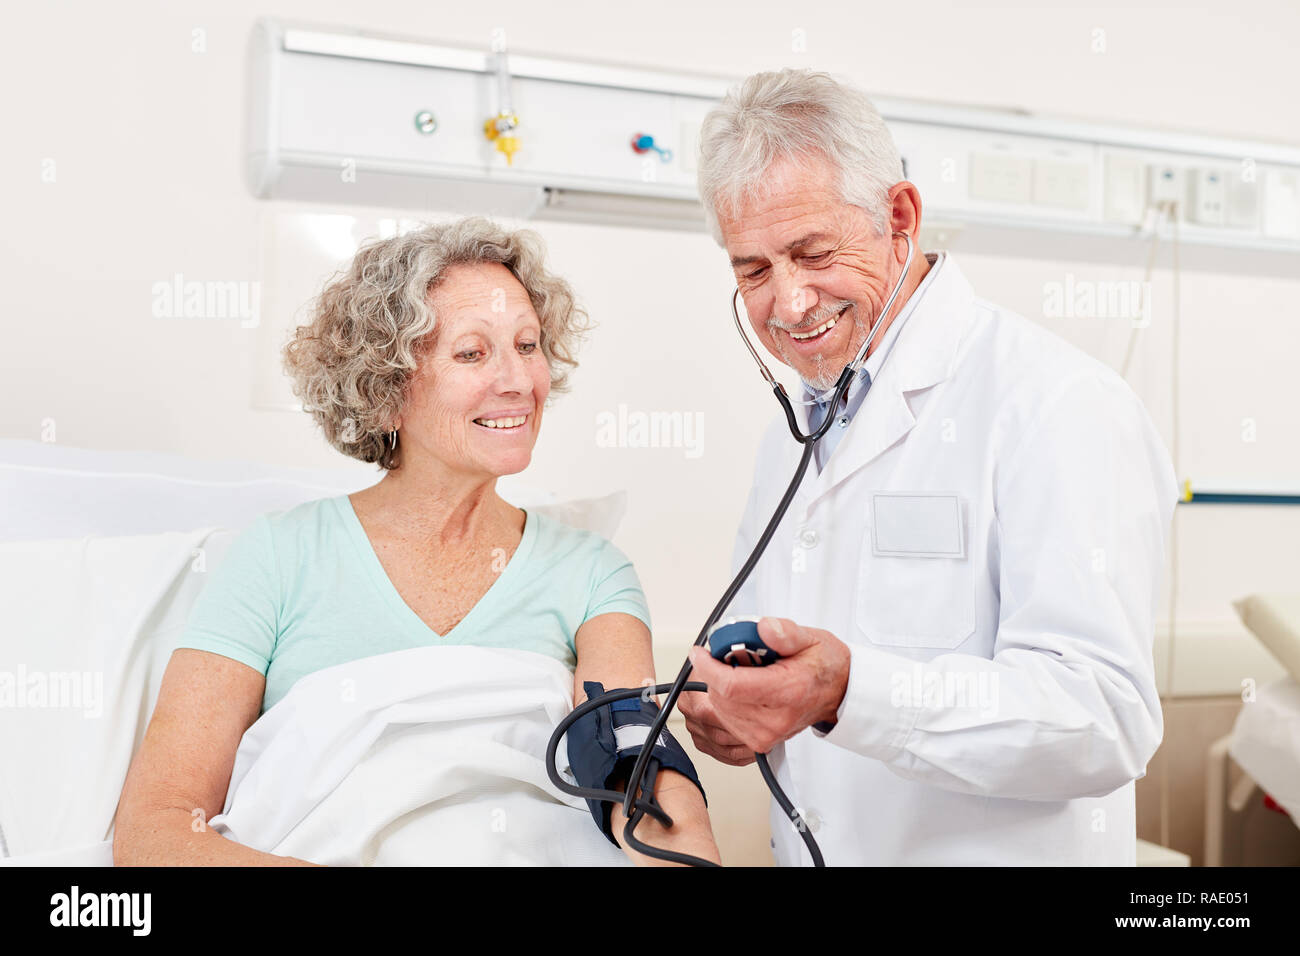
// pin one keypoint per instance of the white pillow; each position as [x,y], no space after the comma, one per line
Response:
[89,625]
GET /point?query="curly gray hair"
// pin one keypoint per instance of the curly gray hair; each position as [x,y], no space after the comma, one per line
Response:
[352,365]
[790,114]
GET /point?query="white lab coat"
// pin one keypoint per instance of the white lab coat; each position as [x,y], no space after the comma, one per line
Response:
[1001,700]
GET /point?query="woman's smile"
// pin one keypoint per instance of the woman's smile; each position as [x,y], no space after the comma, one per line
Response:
[509,421]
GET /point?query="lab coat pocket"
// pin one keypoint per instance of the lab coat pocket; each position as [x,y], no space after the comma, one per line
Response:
[916,586]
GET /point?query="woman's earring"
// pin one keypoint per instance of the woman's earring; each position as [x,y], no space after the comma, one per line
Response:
[392,439]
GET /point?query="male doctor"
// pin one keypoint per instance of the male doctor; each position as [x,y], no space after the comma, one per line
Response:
[964,588]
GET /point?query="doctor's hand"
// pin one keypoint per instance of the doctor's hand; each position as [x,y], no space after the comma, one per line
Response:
[750,710]
[707,730]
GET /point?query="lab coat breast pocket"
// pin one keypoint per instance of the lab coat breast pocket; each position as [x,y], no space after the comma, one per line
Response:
[916,586]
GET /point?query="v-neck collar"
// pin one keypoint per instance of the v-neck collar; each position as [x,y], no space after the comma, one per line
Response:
[389,593]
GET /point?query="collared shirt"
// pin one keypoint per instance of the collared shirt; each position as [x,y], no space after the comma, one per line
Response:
[858,390]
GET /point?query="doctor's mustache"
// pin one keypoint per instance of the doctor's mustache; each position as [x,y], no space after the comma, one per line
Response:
[815,318]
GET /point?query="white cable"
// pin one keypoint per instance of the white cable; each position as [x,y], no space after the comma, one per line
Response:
[1175,453]
[1146,285]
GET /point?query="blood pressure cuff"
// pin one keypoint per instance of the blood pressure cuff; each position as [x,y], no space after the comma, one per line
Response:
[604,745]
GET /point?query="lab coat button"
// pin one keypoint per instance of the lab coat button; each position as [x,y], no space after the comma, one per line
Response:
[844,421]
[808,538]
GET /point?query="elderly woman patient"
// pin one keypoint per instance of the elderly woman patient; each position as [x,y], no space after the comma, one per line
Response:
[432,355]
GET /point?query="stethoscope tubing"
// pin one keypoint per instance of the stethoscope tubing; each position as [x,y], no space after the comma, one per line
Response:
[636,809]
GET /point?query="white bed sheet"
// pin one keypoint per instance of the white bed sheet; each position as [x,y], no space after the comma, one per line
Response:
[1266,742]
[426,756]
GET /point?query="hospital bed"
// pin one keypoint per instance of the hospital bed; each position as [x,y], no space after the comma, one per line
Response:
[101,556]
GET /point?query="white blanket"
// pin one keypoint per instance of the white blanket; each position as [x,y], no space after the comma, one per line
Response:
[430,756]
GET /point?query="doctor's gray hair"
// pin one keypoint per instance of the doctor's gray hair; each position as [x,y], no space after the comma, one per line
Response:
[792,114]
[352,364]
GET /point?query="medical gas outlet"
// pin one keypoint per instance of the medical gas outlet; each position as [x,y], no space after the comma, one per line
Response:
[500,129]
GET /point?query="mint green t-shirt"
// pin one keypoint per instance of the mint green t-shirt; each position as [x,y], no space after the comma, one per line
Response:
[302,590]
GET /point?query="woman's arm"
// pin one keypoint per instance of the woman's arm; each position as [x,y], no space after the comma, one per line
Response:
[614,649]
[205,704]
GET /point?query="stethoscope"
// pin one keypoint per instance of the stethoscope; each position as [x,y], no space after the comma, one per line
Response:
[636,807]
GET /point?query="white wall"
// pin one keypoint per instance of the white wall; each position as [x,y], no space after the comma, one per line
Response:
[145,135]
